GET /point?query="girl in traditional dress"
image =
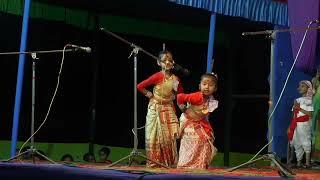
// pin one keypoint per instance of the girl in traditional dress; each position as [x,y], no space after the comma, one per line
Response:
[196,148]
[315,118]
[161,129]
[299,131]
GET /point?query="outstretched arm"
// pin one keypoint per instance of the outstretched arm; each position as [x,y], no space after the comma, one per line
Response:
[193,98]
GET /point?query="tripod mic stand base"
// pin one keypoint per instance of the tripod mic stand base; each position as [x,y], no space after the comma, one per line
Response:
[134,153]
[282,169]
[32,152]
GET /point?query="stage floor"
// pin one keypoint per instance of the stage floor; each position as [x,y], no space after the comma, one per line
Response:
[28,170]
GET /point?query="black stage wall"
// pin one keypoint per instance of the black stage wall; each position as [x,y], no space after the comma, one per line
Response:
[243,68]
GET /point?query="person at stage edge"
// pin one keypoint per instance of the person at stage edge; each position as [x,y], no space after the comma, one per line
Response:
[315,154]
[299,130]
[197,149]
[161,129]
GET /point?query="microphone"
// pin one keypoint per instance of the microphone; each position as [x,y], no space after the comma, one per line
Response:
[244,34]
[257,33]
[181,70]
[85,49]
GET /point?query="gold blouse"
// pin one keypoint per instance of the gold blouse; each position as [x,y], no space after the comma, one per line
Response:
[164,91]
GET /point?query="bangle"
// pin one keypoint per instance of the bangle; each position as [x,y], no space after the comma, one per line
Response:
[182,107]
[149,94]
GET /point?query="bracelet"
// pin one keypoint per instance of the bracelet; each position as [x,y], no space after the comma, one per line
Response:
[149,94]
[182,107]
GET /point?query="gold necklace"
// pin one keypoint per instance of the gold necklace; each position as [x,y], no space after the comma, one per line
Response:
[205,109]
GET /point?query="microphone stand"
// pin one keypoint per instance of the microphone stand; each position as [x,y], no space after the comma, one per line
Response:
[134,153]
[282,169]
[32,151]
[270,32]
[38,52]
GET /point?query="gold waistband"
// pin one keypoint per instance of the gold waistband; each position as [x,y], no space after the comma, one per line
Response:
[193,115]
[161,100]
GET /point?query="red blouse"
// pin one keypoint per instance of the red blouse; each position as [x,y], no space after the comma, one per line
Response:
[154,79]
[193,98]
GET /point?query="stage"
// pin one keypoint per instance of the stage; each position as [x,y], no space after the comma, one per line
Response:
[29,170]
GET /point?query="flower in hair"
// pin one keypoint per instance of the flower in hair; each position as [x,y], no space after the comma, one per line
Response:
[214,74]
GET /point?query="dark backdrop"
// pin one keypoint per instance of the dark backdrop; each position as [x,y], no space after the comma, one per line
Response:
[246,60]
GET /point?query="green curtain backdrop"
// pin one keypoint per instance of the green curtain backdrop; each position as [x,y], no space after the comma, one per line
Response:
[127,25]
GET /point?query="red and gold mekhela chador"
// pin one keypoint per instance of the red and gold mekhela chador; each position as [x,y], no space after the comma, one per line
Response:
[196,148]
[161,130]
